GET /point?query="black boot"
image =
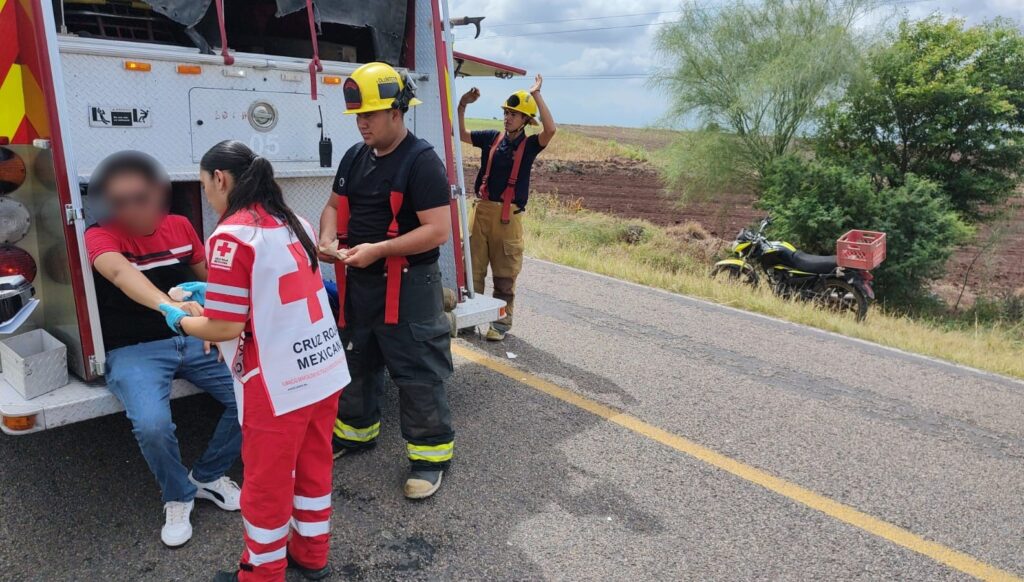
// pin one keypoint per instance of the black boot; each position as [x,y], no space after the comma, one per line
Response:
[341,450]
[226,576]
[310,573]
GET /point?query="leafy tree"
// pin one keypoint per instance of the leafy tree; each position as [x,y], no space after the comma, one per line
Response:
[814,202]
[757,70]
[940,101]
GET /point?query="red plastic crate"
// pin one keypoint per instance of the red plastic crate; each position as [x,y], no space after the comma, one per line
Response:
[860,249]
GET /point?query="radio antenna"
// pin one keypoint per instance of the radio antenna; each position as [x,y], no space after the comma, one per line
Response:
[320,109]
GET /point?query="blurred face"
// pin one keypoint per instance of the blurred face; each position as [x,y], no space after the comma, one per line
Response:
[380,129]
[136,202]
[216,187]
[514,121]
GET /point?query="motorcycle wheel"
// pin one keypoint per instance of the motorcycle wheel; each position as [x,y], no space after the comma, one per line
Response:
[734,274]
[840,297]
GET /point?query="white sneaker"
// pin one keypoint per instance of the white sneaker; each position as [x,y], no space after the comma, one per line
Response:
[177,527]
[223,492]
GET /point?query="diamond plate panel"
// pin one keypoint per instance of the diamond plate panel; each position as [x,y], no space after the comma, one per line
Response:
[428,123]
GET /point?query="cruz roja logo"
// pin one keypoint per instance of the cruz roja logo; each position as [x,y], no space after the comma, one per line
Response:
[105,116]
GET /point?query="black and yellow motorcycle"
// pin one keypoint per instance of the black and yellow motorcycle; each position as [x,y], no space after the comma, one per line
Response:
[796,274]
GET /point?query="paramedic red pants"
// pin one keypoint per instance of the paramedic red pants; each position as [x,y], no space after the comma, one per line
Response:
[286,491]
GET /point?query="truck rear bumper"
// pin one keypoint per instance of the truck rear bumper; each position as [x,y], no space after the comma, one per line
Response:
[478,310]
[75,402]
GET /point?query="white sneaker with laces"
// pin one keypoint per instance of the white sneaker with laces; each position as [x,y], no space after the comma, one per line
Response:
[223,492]
[177,526]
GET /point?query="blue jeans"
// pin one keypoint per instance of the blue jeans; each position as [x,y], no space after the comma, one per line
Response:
[140,376]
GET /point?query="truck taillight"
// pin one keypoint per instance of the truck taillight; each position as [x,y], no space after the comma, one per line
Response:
[332,80]
[20,423]
[189,70]
[15,261]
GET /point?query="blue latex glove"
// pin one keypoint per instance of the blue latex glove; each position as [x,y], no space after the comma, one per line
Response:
[197,289]
[173,316]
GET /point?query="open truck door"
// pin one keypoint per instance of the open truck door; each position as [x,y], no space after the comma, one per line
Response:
[171,78]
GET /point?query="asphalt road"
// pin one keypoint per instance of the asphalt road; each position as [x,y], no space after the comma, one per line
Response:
[544,489]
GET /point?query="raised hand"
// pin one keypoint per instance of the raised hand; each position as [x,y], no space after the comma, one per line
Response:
[537,82]
[470,97]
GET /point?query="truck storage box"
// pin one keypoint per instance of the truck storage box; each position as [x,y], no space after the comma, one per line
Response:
[34,363]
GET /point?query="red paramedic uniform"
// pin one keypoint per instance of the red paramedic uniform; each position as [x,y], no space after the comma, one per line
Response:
[288,366]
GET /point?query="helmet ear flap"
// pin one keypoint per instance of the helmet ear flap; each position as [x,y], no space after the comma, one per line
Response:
[405,95]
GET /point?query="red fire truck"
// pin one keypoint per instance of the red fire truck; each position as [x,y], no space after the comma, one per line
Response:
[81,79]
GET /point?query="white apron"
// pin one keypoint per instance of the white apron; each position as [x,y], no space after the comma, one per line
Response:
[300,356]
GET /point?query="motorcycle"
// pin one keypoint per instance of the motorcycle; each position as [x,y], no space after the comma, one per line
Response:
[796,274]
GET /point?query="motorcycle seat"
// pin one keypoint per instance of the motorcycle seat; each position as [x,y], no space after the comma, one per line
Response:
[817,264]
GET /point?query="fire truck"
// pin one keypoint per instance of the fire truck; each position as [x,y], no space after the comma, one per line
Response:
[81,79]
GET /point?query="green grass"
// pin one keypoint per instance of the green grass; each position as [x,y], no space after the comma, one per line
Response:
[561,232]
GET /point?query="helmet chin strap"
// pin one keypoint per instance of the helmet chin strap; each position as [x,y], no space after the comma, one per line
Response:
[515,132]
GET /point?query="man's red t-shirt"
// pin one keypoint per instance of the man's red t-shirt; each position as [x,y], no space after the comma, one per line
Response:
[164,257]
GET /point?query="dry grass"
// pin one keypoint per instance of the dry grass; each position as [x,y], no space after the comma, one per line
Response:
[573,146]
[612,246]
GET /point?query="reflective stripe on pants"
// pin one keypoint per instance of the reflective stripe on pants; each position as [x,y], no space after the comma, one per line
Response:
[431,453]
[360,435]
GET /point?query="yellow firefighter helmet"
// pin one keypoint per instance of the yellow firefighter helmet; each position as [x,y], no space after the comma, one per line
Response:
[376,87]
[524,103]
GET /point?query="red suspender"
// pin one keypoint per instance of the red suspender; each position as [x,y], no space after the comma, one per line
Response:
[509,193]
[510,189]
[340,271]
[394,265]
[490,160]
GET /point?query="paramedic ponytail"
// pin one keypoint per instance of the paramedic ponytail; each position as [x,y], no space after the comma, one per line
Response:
[255,184]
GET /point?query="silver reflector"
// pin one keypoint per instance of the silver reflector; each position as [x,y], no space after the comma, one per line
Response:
[14,221]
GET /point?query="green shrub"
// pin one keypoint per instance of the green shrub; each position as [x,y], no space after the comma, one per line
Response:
[815,202]
[940,100]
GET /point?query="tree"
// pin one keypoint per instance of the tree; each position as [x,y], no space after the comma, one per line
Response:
[756,69]
[814,202]
[939,101]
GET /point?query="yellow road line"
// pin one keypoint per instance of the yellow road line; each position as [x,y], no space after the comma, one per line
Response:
[903,537]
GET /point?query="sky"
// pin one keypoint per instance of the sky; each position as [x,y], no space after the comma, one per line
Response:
[584,71]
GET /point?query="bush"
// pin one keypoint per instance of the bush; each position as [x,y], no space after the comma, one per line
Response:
[815,202]
[942,101]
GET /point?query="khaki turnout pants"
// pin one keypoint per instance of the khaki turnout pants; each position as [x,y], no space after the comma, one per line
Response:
[499,246]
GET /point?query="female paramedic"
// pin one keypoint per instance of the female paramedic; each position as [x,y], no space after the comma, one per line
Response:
[266,306]
[503,187]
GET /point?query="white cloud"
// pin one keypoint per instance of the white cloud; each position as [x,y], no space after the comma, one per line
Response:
[609,52]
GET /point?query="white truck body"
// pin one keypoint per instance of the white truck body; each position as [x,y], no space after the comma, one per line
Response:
[185,114]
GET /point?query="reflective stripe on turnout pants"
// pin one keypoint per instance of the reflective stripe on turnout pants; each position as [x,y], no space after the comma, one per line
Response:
[286,487]
[499,246]
[416,353]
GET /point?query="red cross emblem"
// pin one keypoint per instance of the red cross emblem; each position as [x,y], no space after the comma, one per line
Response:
[224,248]
[223,255]
[301,284]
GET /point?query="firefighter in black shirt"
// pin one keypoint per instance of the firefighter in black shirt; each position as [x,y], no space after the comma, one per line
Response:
[383,224]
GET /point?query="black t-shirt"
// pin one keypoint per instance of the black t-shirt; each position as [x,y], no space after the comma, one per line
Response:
[368,187]
[502,167]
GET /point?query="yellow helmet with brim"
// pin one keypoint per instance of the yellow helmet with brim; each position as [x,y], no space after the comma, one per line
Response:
[524,103]
[377,87]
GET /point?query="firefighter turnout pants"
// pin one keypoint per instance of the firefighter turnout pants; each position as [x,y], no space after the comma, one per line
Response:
[416,353]
[286,491]
[499,246]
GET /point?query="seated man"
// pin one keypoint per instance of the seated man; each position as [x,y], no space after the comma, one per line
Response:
[139,251]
